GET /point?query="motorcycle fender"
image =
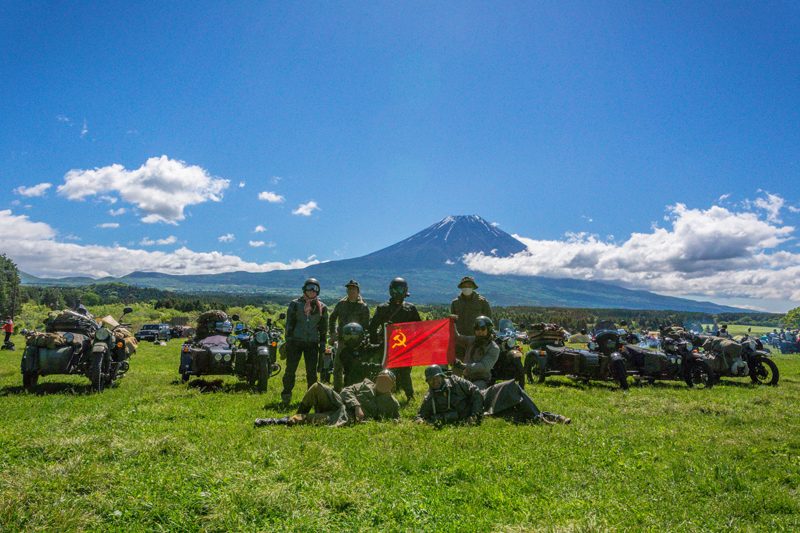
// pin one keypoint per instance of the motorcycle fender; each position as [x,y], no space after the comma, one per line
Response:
[263,351]
[542,360]
[186,363]
[99,347]
[30,360]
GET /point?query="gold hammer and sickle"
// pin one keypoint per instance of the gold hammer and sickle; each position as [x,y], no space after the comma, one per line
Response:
[399,339]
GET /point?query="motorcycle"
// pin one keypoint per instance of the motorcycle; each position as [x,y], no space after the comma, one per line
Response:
[73,344]
[602,361]
[509,364]
[676,361]
[743,358]
[248,355]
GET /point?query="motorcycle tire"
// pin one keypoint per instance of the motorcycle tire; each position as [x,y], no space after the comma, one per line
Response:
[262,374]
[29,381]
[185,377]
[620,373]
[765,372]
[532,369]
[700,375]
[96,372]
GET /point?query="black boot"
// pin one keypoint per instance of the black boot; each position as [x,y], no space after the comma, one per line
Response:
[553,418]
[271,421]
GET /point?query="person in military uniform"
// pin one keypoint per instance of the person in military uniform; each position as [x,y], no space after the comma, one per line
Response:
[468,306]
[306,332]
[449,399]
[396,310]
[353,356]
[350,309]
[480,353]
[358,402]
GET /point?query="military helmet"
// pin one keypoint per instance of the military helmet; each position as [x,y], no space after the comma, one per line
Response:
[484,322]
[352,283]
[398,288]
[385,381]
[224,326]
[352,333]
[311,284]
[433,371]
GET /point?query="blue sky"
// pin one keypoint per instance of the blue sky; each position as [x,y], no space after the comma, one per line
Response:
[550,119]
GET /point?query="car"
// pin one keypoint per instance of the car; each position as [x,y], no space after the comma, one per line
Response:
[153,333]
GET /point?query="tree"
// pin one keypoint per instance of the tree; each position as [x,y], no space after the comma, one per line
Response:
[792,318]
[9,287]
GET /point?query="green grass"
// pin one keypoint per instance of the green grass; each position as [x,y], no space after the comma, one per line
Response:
[154,454]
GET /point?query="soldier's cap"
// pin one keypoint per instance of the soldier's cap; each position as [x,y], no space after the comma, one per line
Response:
[385,381]
[467,280]
[352,283]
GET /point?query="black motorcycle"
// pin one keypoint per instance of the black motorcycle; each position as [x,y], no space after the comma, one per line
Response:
[676,361]
[509,365]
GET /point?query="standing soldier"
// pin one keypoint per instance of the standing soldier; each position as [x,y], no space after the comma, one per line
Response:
[467,307]
[306,331]
[394,311]
[8,329]
[348,310]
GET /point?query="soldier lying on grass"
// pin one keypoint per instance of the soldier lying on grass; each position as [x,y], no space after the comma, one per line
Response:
[362,401]
[451,399]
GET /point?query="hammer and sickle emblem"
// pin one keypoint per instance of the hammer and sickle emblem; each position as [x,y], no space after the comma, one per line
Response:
[399,339]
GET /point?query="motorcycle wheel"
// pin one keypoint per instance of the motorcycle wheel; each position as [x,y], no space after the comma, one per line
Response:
[532,369]
[765,372]
[619,373]
[29,381]
[262,374]
[185,377]
[96,372]
[700,375]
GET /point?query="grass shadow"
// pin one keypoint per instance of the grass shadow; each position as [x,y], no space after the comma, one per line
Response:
[217,385]
[49,388]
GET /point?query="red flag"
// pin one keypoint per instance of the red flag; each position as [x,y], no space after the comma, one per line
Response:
[431,342]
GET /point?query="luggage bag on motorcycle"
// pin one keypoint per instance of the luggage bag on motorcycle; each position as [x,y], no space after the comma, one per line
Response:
[72,322]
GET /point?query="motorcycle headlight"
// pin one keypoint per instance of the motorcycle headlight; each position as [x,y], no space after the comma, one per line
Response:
[102,334]
[689,346]
[218,357]
[261,337]
[227,357]
[69,337]
[231,340]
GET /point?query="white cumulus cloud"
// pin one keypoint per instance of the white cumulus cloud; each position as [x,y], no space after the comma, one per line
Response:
[33,246]
[259,229]
[33,191]
[228,237]
[256,244]
[271,197]
[306,209]
[242,184]
[147,241]
[162,188]
[714,252]
[108,225]
[117,212]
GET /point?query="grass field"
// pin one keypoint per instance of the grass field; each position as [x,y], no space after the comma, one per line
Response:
[154,454]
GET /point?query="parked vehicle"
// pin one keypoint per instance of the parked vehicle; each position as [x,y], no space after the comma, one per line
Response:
[602,361]
[248,355]
[154,333]
[676,361]
[745,357]
[74,344]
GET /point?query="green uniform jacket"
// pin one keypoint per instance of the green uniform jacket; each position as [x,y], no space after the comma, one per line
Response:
[479,358]
[468,308]
[302,328]
[345,312]
[375,406]
[501,397]
[458,400]
[390,312]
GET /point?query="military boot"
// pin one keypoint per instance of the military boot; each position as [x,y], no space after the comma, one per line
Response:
[286,399]
[553,418]
[271,422]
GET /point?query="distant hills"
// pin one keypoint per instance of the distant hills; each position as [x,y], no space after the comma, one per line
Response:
[431,261]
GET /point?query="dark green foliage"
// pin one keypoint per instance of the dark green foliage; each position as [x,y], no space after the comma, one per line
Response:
[9,287]
[792,318]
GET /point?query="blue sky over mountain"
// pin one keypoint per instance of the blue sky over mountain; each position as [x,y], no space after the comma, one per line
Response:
[654,145]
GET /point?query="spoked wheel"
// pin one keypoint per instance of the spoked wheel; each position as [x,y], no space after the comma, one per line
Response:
[620,373]
[700,375]
[262,373]
[98,371]
[765,372]
[534,371]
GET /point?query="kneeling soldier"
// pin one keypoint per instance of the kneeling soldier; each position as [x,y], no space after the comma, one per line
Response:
[363,401]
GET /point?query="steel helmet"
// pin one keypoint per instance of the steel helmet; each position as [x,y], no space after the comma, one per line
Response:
[385,381]
[398,288]
[352,333]
[433,371]
[311,284]
[484,322]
